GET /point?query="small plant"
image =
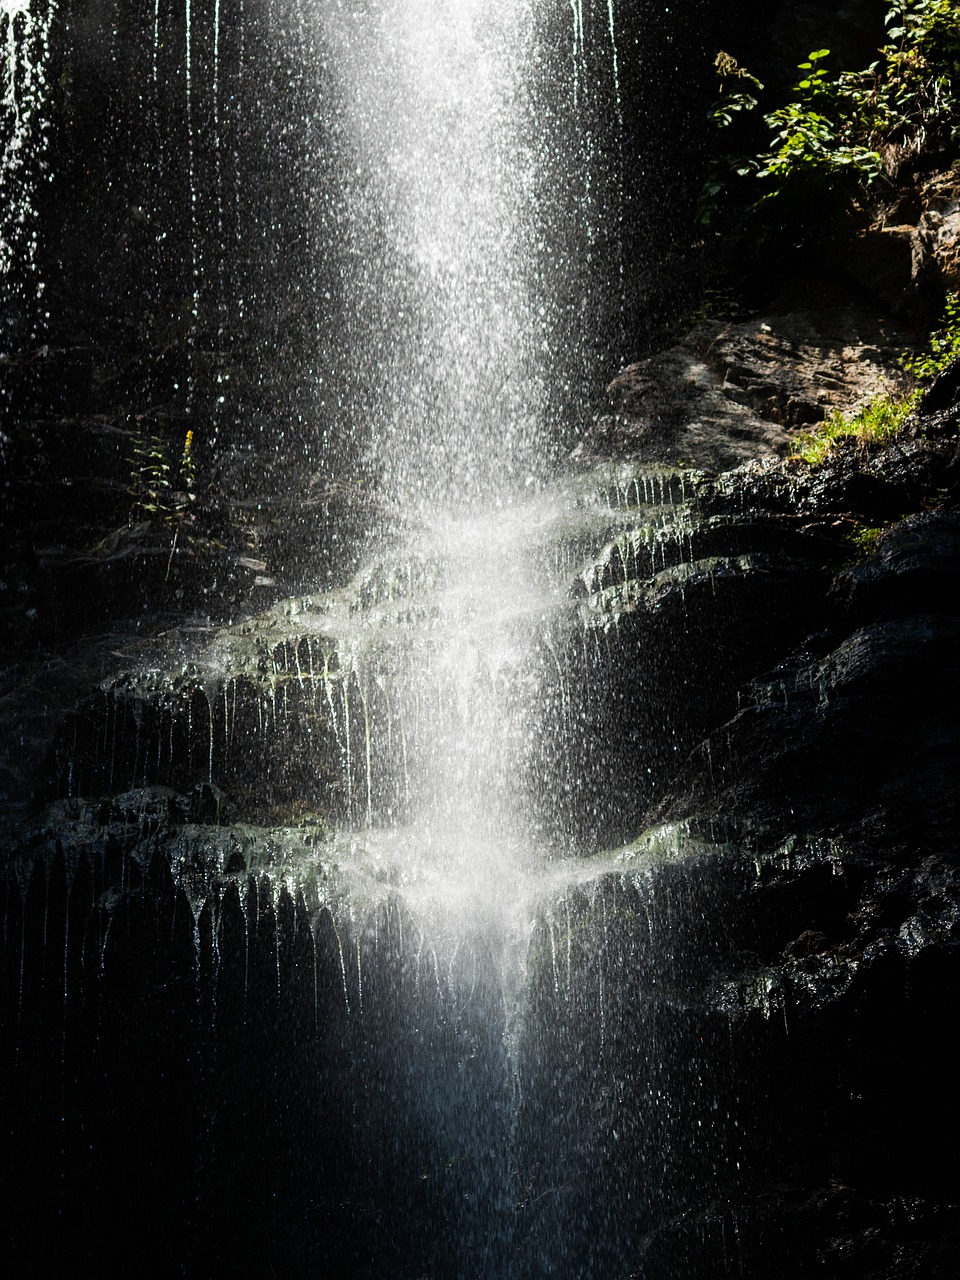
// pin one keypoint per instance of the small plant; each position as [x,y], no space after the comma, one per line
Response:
[944,345]
[863,539]
[186,495]
[875,423]
[735,96]
[152,478]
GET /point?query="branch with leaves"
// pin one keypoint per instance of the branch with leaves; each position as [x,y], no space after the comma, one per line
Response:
[852,128]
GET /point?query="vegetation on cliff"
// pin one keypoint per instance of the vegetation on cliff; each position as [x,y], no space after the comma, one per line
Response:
[846,132]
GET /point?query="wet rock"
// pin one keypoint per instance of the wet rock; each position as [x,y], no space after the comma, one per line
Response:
[859,732]
[810,943]
[831,1230]
[916,567]
[147,808]
[794,987]
[944,391]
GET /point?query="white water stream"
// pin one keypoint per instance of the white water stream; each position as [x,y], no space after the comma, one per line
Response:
[447,166]
[449,162]
[25,45]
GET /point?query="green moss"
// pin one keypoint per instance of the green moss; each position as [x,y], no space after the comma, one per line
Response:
[863,540]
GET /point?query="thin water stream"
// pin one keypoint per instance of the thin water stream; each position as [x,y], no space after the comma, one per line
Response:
[24,40]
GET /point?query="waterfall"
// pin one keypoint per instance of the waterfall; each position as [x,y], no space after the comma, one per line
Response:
[462,817]
[444,163]
[448,284]
[447,167]
[339,885]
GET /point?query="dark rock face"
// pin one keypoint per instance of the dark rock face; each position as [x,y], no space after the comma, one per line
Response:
[733,1042]
[854,736]
[939,226]
[857,726]
[911,255]
[83,546]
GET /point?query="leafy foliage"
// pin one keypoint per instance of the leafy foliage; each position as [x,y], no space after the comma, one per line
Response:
[944,345]
[854,127]
[919,94]
[814,136]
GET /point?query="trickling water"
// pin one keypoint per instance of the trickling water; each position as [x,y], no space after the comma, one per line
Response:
[192,185]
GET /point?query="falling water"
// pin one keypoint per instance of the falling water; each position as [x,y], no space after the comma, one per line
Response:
[447,168]
[450,280]
[446,161]
[192,184]
[461,1042]
[24,37]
